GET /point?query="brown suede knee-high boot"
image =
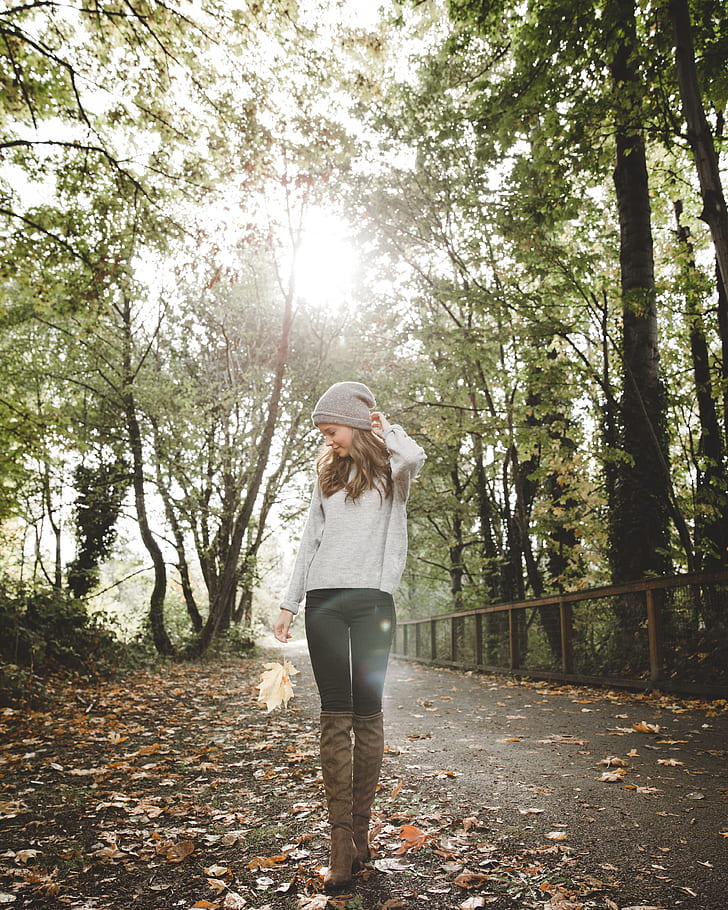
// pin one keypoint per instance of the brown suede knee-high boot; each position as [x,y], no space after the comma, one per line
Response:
[336,769]
[368,752]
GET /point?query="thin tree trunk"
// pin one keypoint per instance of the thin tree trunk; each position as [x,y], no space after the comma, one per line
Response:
[456,546]
[156,602]
[179,545]
[490,574]
[56,528]
[711,521]
[715,213]
[723,331]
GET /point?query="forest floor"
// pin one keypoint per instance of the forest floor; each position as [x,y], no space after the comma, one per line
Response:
[173,788]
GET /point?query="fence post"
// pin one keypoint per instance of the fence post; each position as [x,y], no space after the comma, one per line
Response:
[418,647]
[452,639]
[567,650]
[478,639]
[654,634]
[513,639]
[433,639]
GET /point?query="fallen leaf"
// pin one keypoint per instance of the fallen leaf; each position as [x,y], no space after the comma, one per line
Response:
[178,852]
[413,838]
[644,727]
[265,862]
[216,871]
[391,865]
[472,903]
[469,880]
[22,856]
[317,902]
[109,854]
[615,775]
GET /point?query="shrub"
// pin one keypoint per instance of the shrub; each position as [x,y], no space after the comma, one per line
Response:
[44,631]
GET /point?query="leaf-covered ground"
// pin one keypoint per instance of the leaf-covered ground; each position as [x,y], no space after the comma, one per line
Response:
[174,789]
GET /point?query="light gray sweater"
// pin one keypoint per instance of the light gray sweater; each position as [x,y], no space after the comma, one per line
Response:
[360,544]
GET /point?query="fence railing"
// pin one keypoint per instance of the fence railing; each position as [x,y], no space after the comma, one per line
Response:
[669,633]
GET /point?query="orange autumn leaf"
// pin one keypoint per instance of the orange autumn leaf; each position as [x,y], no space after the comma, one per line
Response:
[265,862]
[470,879]
[180,851]
[644,727]
[413,838]
[615,775]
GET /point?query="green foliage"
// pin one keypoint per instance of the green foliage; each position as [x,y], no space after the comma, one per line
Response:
[46,632]
[237,641]
[101,490]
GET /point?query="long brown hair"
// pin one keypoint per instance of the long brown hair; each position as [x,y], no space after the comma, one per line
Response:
[373,472]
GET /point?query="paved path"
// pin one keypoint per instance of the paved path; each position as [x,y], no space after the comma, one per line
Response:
[528,760]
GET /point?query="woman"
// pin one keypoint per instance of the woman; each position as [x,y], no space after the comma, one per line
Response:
[349,565]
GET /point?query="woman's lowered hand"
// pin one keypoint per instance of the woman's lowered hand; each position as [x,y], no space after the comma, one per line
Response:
[282,625]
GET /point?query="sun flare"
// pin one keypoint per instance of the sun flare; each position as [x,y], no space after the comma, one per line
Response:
[326,263]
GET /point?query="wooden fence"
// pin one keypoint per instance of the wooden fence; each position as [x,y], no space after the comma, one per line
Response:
[668,633]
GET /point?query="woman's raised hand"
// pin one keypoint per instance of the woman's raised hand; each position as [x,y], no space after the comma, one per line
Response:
[380,424]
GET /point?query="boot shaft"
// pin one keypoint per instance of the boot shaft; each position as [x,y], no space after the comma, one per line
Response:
[367,764]
[336,770]
[336,766]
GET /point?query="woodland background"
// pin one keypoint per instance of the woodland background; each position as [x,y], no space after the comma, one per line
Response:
[507,219]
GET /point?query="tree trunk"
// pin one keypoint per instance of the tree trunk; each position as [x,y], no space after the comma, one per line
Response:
[179,545]
[711,520]
[224,603]
[55,527]
[723,332]
[156,602]
[490,572]
[715,213]
[639,526]
[456,547]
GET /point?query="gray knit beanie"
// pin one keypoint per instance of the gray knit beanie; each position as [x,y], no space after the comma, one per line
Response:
[346,404]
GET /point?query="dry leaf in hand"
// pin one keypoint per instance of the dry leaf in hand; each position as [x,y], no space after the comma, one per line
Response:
[275,687]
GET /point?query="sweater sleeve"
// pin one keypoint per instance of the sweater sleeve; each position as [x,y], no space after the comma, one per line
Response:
[309,544]
[405,456]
